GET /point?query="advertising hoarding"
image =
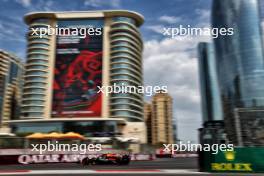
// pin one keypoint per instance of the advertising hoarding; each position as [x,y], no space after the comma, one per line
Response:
[78,69]
[242,159]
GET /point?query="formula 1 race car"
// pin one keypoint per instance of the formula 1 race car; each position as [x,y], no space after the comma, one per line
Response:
[104,159]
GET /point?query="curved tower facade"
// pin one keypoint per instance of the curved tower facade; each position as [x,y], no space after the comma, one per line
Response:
[126,67]
[121,62]
[64,73]
[37,74]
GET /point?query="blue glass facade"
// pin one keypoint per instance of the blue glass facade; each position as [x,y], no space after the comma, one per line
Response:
[261,12]
[210,95]
[239,58]
[13,72]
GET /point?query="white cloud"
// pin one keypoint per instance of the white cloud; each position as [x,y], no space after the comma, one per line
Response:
[24,3]
[203,13]
[155,28]
[170,19]
[42,5]
[173,63]
[203,17]
[48,5]
[11,31]
[100,3]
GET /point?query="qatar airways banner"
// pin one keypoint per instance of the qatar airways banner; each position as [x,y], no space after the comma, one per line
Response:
[78,68]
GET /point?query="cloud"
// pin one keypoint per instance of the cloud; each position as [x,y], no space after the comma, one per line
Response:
[202,21]
[45,5]
[203,17]
[170,19]
[100,3]
[48,6]
[155,28]
[203,13]
[159,28]
[40,5]
[173,63]
[24,3]
[11,31]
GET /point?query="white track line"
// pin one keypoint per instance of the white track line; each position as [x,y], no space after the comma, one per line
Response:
[131,171]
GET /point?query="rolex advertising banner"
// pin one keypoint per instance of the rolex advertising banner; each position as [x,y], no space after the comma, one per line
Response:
[246,159]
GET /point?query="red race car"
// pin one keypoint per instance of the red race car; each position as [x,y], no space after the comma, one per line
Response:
[104,159]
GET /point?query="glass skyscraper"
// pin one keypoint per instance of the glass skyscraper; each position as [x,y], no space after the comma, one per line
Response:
[239,58]
[211,103]
[261,11]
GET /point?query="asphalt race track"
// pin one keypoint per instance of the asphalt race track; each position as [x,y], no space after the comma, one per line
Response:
[179,166]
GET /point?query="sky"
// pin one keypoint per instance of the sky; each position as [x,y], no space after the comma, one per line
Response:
[167,62]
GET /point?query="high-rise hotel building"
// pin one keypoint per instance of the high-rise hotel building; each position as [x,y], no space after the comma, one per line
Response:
[63,73]
[11,72]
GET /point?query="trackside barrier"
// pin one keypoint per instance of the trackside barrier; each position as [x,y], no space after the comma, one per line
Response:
[241,160]
[15,156]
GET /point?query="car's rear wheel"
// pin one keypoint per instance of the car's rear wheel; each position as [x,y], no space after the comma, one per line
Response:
[84,162]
